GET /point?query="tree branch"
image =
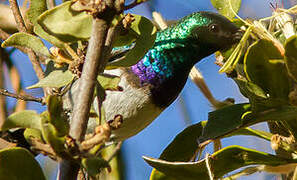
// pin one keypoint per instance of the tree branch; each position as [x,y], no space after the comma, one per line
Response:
[133,4]
[88,79]
[96,58]
[4,92]
[17,15]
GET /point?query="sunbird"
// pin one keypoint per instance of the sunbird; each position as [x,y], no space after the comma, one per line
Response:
[152,84]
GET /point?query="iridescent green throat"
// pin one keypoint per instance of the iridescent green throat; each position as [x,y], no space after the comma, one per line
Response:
[173,53]
[166,65]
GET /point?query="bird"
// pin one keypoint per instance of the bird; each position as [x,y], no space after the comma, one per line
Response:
[155,81]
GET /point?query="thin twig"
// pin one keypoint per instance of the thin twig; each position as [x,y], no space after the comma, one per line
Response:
[115,151]
[51,4]
[295,174]
[198,79]
[4,92]
[22,28]
[5,144]
[17,15]
[159,20]
[209,170]
[3,109]
[3,35]
[133,4]
[45,149]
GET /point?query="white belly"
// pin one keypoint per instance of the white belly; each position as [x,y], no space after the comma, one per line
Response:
[134,104]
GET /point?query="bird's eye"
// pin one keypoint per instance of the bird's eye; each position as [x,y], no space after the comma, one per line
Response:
[214,28]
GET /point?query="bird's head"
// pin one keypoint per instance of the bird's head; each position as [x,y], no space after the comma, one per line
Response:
[209,30]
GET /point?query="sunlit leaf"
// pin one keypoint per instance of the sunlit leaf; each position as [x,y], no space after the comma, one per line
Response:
[146,34]
[57,78]
[18,163]
[51,136]
[94,165]
[30,134]
[157,175]
[26,40]
[109,82]
[66,24]
[36,8]
[223,6]
[22,119]
[57,116]
[50,38]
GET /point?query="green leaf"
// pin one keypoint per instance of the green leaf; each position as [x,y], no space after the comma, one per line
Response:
[37,7]
[125,40]
[251,132]
[94,165]
[250,90]
[157,175]
[22,119]
[66,24]
[264,66]
[259,100]
[240,157]
[184,145]
[18,163]
[182,148]
[26,40]
[57,78]
[50,38]
[291,56]
[57,116]
[283,113]
[224,120]
[223,6]
[30,134]
[146,35]
[109,82]
[230,119]
[51,136]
